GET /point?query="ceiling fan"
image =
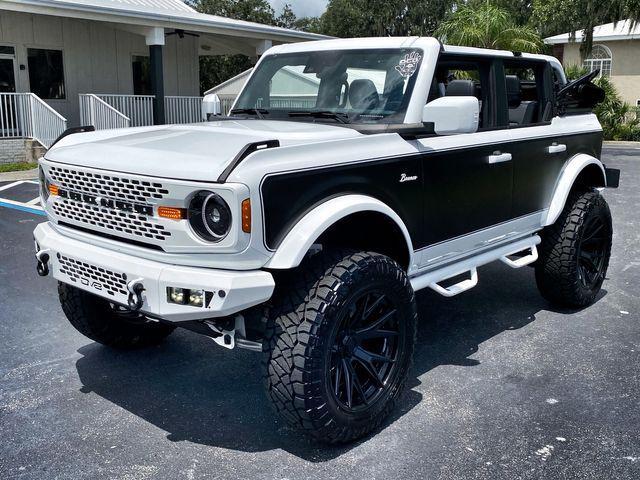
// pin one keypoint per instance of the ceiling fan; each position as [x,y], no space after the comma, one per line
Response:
[181,33]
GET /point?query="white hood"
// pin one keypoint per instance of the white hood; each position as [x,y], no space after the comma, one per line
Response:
[187,152]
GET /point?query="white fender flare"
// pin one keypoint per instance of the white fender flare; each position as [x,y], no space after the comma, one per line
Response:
[299,240]
[568,176]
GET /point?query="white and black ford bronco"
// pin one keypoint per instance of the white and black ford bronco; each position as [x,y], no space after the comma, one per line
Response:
[348,175]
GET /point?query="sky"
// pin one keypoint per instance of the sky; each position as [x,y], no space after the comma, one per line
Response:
[302,8]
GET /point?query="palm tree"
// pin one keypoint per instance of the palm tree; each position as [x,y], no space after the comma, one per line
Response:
[488,26]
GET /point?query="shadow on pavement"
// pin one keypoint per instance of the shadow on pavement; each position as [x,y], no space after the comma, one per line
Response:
[196,392]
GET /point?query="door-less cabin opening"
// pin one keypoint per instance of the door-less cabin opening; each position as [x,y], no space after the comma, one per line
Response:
[458,75]
[528,101]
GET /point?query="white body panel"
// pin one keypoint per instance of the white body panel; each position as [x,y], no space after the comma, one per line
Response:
[570,172]
[241,289]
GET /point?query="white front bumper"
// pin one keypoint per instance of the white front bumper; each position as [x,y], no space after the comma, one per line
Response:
[105,273]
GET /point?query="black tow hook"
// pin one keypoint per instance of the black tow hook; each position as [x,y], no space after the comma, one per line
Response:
[42,266]
[135,299]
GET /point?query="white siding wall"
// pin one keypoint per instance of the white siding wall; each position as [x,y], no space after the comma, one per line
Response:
[97,57]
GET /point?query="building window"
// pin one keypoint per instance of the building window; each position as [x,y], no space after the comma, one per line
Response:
[141,75]
[599,59]
[46,73]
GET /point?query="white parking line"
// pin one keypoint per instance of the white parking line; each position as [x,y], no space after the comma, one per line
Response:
[31,206]
[11,185]
[20,204]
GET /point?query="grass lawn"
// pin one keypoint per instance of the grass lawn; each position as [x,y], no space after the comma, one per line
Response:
[17,166]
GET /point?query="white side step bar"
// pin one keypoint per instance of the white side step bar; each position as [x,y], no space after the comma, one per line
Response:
[522,261]
[433,278]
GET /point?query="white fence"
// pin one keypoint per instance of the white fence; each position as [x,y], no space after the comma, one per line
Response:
[119,111]
[183,109]
[138,108]
[25,115]
[95,111]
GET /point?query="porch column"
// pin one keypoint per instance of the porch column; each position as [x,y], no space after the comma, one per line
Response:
[155,40]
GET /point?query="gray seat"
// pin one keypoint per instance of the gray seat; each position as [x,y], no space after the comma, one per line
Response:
[363,95]
[520,113]
[461,88]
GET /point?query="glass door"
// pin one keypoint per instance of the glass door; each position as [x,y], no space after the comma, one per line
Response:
[9,124]
[7,70]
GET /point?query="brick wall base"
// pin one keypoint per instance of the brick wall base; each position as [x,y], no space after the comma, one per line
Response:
[20,150]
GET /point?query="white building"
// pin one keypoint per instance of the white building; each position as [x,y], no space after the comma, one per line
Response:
[111,63]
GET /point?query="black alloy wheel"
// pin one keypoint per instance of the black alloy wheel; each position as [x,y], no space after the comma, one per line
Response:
[339,342]
[592,252]
[575,251]
[365,350]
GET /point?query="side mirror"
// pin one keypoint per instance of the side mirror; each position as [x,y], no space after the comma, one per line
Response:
[580,95]
[453,115]
[211,106]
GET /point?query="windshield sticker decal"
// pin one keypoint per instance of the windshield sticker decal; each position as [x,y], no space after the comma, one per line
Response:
[409,64]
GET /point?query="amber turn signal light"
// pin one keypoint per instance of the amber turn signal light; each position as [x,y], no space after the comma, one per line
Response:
[53,189]
[246,216]
[172,213]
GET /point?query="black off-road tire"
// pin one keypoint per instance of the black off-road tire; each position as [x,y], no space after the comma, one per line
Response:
[102,322]
[559,270]
[302,331]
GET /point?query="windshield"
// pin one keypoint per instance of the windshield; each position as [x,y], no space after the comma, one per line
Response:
[346,86]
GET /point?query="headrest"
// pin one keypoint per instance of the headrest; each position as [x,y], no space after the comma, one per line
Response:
[461,88]
[514,95]
[363,94]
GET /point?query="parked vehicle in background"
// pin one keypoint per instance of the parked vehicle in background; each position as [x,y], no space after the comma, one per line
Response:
[303,232]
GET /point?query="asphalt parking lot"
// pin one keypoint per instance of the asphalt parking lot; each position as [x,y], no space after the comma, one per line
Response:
[503,386]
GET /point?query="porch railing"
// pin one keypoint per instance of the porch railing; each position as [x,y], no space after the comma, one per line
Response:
[25,115]
[183,109]
[138,108]
[120,111]
[95,111]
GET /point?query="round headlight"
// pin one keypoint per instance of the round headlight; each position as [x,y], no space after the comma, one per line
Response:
[210,216]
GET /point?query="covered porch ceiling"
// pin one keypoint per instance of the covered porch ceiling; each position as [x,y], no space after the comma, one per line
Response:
[216,35]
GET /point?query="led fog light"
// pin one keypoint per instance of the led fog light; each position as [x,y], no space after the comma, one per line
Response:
[196,298]
[185,296]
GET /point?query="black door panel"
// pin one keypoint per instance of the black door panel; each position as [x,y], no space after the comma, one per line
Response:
[287,197]
[536,171]
[463,192]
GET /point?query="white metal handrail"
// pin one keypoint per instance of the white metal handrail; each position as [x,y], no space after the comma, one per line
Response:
[25,115]
[183,109]
[95,111]
[138,108]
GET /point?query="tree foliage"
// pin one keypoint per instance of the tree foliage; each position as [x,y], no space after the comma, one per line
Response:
[371,18]
[484,24]
[552,17]
[259,11]
[216,69]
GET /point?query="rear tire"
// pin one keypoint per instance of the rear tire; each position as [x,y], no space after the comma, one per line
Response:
[106,323]
[575,251]
[339,343]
